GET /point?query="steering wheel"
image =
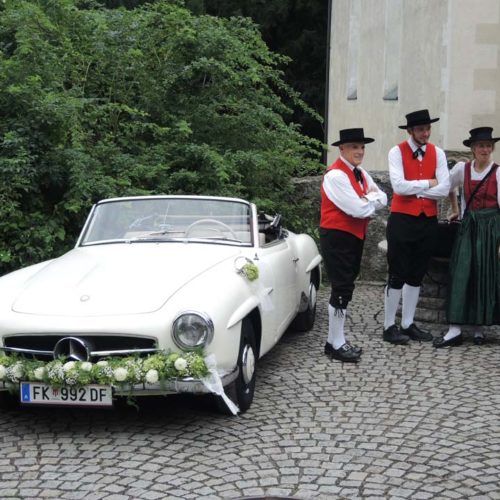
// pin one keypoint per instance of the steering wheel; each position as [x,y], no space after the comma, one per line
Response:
[211,222]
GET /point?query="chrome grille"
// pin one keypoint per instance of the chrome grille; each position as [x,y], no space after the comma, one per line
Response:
[42,346]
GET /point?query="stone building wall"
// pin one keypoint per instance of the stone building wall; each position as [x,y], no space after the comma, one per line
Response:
[388,58]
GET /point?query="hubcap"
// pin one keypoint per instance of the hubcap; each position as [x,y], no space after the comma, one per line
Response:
[248,364]
[312,296]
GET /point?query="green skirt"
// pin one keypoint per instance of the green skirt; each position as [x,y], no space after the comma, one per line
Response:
[474,285]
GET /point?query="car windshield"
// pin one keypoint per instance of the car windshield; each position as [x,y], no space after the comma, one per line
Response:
[169,219]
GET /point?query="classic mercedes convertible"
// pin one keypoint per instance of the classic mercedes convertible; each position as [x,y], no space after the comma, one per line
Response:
[161,295]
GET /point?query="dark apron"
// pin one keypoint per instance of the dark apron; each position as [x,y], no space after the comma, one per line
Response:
[474,286]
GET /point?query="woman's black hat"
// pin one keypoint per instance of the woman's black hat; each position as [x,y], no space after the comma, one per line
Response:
[421,117]
[352,135]
[480,134]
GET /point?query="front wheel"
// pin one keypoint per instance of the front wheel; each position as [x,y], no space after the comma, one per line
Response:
[242,390]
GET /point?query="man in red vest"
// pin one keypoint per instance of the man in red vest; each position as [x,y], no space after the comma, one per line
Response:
[349,197]
[419,177]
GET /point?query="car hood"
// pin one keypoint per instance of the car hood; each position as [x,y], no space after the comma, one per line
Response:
[116,279]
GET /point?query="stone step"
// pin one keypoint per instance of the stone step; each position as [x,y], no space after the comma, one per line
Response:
[428,315]
[436,290]
[431,315]
[430,310]
[434,303]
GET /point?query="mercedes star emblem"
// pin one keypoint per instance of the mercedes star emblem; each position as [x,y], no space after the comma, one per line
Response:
[73,349]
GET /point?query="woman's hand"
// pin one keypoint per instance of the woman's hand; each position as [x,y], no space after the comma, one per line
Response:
[453,215]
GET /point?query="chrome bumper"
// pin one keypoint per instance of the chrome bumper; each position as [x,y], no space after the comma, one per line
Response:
[178,386]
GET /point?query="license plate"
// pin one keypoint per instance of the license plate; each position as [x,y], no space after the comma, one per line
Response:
[34,393]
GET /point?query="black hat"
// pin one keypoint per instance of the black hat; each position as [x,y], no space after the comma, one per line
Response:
[421,117]
[352,135]
[480,134]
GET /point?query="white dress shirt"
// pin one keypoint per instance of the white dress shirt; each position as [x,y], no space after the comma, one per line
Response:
[420,188]
[457,177]
[339,190]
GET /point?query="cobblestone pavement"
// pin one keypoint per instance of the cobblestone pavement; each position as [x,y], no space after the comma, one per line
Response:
[407,422]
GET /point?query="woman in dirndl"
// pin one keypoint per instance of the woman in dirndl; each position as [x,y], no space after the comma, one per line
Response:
[474,286]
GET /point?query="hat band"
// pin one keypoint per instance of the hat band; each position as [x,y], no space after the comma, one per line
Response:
[481,138]
[419,122]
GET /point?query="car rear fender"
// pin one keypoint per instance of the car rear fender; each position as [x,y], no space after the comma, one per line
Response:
[309,260]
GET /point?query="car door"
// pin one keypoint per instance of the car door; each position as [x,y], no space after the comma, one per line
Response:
[278,261]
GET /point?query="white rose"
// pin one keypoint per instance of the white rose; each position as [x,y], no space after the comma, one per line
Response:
[152,376]
[17,371]
[86,366]
[120,374]
[102,363]
[3,371]
[69,366]
[39,373]
[180,364]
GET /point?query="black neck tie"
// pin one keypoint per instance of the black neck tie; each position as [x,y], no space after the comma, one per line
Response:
[357,174]
[418,151]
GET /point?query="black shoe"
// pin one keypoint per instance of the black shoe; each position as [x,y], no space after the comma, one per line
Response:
[440,342]
[344,353]
[355,348]
[414,332]
[394,336]
[329,348]
[479,339]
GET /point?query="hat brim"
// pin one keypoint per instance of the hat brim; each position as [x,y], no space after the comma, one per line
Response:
[365,140]
[426,122]
[469,142]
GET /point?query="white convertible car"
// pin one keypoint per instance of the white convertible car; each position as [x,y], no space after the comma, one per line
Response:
[161,294]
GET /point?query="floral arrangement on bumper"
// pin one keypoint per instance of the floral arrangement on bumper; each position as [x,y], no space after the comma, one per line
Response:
[156,368]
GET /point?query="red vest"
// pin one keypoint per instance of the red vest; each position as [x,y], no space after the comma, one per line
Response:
[332,217]
[487,195]
[415,169]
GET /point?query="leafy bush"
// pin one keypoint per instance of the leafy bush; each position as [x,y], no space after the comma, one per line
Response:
[98,103]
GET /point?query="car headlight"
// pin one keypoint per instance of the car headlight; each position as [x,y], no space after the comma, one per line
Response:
[192,329]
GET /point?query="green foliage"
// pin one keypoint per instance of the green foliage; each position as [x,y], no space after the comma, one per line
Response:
[295,28]
[97,103]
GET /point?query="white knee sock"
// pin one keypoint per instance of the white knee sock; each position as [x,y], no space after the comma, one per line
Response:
[336,320]
[453,331]
[410,299]
[392,297]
